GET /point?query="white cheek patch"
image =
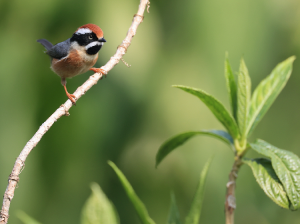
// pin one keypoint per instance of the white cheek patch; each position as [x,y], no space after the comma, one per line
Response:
[83,31]
[95,43]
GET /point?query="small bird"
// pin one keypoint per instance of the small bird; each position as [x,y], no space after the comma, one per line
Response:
[75,55]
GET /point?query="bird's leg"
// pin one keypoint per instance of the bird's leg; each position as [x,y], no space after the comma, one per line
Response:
[98,70]
[70,96]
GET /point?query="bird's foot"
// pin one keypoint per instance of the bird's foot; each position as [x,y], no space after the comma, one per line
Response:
[72,98]
[99,70]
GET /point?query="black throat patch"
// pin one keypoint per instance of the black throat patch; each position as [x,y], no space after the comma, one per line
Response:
[93,50]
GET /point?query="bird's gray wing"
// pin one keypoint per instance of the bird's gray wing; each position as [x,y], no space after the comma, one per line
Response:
[59,50]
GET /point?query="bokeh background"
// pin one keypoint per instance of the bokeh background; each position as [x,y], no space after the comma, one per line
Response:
[128,115]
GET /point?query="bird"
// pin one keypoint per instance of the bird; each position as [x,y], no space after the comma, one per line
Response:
[75,55]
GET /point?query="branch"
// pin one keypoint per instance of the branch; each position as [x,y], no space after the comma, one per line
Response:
[63,110]
[230,203]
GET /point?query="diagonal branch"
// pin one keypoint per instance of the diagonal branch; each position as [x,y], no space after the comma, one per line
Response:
[63,110]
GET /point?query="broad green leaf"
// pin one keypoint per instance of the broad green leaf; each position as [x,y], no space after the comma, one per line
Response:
[231,87]
[98,209]
[180,139]
[173,214]
[267,179]
[287,167]
[26,219]
[267,91]
[244,97]
[195,210]
[137,203]
[216,108]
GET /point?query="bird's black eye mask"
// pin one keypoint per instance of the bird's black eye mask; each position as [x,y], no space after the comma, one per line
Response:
[84,39]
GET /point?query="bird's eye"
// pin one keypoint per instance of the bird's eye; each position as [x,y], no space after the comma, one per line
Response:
[90,37]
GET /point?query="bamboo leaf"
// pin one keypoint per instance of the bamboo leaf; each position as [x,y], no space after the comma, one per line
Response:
[231,87]
[267,91]
[216,108]
[173,214]
[193,216]
[180,139]
[287,167]
[267,179]
[244,96]
[98,209]
[137,203]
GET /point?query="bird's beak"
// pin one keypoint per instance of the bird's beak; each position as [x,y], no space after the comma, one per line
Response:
[102,40]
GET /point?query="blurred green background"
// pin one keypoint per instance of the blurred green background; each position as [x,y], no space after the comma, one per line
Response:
[128,115]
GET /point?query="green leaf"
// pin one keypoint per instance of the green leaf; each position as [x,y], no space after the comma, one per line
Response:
[216,108]
[173,214]
[180,139]
[267,91]
[98,209]
[195,210]
[231,87]
[287,167]
[267,179]
[244,97]
[137,203]
[26,219]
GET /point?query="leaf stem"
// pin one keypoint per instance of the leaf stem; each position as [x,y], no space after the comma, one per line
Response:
[240,145]
[230,203]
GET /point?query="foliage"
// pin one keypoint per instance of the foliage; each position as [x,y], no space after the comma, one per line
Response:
[137,203]
[98,209]
[278,176]
[195,210]
[286,166]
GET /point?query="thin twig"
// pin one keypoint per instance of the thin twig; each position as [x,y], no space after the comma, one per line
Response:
[125,63]
[230,203]
[63,110]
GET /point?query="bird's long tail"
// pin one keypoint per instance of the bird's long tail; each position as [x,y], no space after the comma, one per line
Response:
[45,43]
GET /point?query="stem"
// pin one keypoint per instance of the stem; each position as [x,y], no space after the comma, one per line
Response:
[240,146]
[230,203]
[64,110]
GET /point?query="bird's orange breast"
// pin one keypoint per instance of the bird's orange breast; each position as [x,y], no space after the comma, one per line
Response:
[75,63]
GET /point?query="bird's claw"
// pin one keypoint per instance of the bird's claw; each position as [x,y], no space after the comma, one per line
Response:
[99,70]
[72,98]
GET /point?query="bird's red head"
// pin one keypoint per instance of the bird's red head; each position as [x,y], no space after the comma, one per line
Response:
[90,37]
[91,27]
